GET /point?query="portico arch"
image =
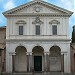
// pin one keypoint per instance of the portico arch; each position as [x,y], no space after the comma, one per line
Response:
[38,50]
[20,61]
[38,58]
[55,58]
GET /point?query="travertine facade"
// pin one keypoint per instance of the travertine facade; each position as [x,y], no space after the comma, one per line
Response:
[37,38]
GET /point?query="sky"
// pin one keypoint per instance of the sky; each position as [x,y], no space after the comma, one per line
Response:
[9,4]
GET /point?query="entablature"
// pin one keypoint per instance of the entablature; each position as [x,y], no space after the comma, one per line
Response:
[38,14]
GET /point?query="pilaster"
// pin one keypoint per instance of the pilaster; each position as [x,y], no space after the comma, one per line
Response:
[10,61]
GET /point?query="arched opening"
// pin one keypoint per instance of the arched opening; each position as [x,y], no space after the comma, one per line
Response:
[55,58]
[20,59]
[38,53]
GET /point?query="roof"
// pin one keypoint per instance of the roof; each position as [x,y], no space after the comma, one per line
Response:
[2,27]
[37,1]
[72,45]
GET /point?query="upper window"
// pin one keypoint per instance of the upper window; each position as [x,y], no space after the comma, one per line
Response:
[54,24]
[54,28]
[20,30]
[37,23]
[37,29]
[20,26]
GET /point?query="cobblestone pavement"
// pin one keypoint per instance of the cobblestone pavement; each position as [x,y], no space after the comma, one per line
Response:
[41,74]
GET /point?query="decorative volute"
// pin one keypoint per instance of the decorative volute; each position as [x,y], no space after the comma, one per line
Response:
[73,35]
[37,20]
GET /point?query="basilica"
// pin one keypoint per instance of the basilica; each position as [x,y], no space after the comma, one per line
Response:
[37,38]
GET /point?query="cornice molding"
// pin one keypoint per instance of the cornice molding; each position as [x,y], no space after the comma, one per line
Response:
[20,22]
[38,14]
[54,22]
[47,40]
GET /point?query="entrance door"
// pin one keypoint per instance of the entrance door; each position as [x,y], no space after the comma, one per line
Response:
[37,63]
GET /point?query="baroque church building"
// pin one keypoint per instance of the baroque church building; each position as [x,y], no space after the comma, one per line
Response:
[37,38]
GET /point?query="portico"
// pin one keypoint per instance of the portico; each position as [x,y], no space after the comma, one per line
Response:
[40,58]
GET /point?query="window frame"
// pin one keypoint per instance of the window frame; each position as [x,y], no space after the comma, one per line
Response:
[22,30]
[54,32]
[39,29]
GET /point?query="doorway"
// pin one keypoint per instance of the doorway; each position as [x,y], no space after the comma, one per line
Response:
[37,63]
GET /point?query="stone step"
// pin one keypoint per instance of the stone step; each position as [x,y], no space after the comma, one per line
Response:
[39,74]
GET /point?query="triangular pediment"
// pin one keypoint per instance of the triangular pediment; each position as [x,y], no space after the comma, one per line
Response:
[37,7]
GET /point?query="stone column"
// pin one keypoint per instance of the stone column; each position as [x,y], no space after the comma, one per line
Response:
[45,63]
[10,62]
[48,62]
[13,62]
[29,61]
[65,62]
[7,62]
[62,62]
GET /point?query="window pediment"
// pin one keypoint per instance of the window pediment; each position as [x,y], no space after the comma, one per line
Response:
[54,22]
[20,22]
[37,20]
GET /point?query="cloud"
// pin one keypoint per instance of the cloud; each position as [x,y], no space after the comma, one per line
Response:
[0,20]
[69,4]
[46,0]
[9,5]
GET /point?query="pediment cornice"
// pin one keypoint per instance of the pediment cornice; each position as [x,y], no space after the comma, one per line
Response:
[39,14]
[37,2]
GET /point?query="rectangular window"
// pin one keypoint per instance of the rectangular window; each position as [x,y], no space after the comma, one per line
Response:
[54,29]
[20,30]
[38,30]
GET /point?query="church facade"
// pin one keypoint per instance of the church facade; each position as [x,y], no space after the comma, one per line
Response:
[37,38]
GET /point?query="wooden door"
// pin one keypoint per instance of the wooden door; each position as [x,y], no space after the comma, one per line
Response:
[38,63]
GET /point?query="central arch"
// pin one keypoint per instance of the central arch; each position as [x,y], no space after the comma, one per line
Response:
[55,58]
[38,56]
[20,59]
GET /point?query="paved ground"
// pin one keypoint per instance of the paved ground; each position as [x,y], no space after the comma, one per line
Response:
[40,74]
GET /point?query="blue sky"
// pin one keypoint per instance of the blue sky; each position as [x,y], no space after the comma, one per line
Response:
[9,4]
